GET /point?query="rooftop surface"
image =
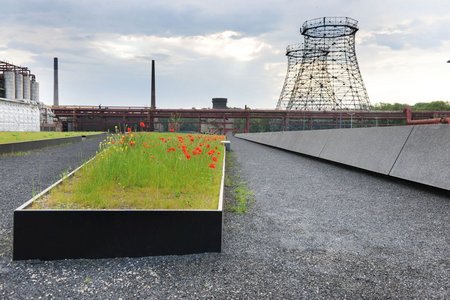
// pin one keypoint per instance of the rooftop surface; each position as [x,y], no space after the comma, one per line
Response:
[316,230]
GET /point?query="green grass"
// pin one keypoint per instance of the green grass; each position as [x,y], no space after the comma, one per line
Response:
[242,196]
[7,137]
[145,171]
[15,154]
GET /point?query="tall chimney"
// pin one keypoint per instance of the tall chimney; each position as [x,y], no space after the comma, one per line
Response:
[55,82]
[153,104]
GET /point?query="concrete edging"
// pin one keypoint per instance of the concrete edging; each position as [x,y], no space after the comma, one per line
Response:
[415,153]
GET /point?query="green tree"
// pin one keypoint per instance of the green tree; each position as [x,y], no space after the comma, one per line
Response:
[420,106]
[434,105]
[389,106]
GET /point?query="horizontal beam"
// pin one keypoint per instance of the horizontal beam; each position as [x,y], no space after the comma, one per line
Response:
[144,112]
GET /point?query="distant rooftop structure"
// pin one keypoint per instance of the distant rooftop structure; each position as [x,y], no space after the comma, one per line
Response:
[219,103]
[19,99]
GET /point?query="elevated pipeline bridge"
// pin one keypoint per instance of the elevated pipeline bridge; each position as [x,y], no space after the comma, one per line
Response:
[100,118]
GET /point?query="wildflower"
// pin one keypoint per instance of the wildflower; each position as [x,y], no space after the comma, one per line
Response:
[171,149]
[172,130]
[212,166]
[199,150]
[113,142]
[132,143]
[142,124]
[128,129]
[214,158]
[211,152]
[187,156]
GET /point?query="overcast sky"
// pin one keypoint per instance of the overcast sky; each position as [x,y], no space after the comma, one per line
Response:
[205,49]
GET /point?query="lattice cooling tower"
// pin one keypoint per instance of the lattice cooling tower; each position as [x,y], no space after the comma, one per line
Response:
[323,72]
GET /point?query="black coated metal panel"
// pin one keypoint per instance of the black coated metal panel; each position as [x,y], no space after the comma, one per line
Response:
[33,145]
[58,234]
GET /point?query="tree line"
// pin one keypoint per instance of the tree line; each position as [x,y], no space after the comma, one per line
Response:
[420,106]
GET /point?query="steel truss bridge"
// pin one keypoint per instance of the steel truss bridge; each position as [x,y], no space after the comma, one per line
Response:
[86,118]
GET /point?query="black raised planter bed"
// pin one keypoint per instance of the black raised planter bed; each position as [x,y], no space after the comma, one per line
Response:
[52,234]
[32,145]
[63,234]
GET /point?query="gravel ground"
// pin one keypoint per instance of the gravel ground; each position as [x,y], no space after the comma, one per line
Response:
[315,231]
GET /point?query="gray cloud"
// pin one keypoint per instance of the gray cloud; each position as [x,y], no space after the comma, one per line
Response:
[419,33]
[98,63]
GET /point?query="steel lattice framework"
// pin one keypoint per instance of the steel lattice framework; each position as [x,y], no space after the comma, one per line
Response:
[323,72]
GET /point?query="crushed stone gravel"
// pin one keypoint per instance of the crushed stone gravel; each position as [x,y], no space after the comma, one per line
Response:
[315,231]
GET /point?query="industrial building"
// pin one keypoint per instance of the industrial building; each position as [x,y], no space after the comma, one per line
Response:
[323,72]
[20,109]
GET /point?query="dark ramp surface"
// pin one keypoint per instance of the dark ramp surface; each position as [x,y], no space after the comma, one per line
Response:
[316,231]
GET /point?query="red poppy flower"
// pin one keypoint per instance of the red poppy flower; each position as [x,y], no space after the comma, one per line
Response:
[132,143]
[199,150]
[142,124]
[188,156]
[214,158]
[212,166]
[128,129]
[172,130]
[171,149]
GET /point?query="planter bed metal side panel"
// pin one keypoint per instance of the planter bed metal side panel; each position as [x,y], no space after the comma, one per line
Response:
[33,145]
[62,234]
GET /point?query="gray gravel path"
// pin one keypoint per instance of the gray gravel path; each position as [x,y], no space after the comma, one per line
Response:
[316,231]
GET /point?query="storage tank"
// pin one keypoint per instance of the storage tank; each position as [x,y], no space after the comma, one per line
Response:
[26,87]
[34,90]
[19,86]
[10,85]
[2,86]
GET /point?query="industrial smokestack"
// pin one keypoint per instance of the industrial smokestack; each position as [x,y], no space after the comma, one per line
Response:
[55,82]
[153,104]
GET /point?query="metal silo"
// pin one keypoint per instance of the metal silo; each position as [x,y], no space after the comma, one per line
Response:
[19,86]
[10,85]
[26,87]
[34,90]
